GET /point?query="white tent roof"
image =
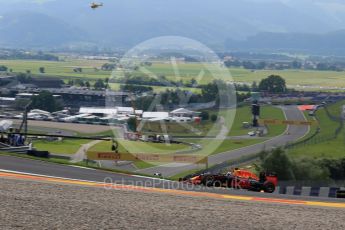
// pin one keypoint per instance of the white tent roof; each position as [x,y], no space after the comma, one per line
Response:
[160,115]
[5,125]
[38,111]
[182,110]
[98,110]
[125,109]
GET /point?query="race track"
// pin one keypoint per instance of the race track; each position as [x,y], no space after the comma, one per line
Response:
[33,167]
[294,133]
[75,127]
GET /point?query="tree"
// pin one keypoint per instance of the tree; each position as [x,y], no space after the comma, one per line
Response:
[205,115]
[210,92]
[42,70]
[24,78]
[78,70]
[219,92]
[249,65]
[70,82]
[310,169]
[214,117]
[193,83]
[79,82]
[136,88]
[296,65]
[277,161]
[273,84]
[132,124]
[108,67]
[99,84]
[45,101]
[336,168]
[255,86]
[3,68]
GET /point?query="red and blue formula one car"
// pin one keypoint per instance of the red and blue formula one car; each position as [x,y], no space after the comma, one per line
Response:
[238,179]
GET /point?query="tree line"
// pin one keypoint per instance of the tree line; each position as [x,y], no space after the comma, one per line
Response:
[303,168]
[21,55]
[260,65]
[216,91]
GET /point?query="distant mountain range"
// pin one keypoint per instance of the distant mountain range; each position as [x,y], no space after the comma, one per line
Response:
[301,25]
[26,29]
[332,43]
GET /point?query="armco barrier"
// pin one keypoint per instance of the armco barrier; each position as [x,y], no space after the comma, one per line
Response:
[310,191]
[340,194]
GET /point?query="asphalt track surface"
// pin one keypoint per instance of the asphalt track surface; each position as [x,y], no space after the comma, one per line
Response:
[292,134]
[75,127]
[11,164]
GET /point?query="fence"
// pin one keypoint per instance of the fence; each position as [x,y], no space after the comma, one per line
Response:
[316,137]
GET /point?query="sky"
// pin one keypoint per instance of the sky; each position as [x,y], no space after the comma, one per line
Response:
[329,4]
[209,20]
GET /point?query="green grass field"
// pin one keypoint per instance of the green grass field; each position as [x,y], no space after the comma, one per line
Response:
[293,77]
[140,147]
[64,69]
[225,145]
[330,149]
[186,71]
[211,129]
[67,146]
[243,114]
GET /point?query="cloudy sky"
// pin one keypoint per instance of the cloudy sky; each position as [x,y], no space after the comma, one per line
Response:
[211,21]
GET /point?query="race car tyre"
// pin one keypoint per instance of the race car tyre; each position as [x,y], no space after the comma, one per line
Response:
[208,181]
[217,183]
[269,187]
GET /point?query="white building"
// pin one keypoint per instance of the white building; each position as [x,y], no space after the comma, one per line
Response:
[119,111]
[182,112]
[98,110]
[155,115]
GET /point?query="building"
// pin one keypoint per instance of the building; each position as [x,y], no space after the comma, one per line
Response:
[98,111]
[106,111]
[181,112]
[49,82]
[76,98]
[5,80]
[155,115]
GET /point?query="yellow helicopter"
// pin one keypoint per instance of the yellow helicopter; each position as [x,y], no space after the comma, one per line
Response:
[95,5]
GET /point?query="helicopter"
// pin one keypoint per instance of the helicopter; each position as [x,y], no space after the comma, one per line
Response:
[95,5]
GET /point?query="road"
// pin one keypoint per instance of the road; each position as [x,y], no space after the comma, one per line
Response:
[33,167]
[80,128]
[294,133]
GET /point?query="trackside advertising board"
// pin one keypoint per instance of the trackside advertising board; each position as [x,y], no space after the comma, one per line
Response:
[164,158]
[285,122]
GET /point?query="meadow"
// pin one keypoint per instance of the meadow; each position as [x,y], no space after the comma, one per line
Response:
[334,148]
[67,146]
[185,72]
